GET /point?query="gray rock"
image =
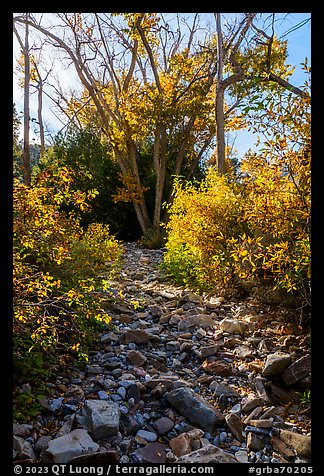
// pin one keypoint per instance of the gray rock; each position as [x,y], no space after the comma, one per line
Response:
[297,370]
[207,454]
[195,408]
[24,449]
[220,389]
[42,443]
[64,448]
[147,435]
[241,456]
[197,320]
[102,418]
[275,364]
[163,425]
[233,326]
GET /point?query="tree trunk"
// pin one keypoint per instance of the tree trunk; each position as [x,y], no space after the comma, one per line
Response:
[220,130]
[219,100]
[40,117]
[26,170]
[160,148]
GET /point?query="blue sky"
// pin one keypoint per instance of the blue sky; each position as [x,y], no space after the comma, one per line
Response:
[299,47]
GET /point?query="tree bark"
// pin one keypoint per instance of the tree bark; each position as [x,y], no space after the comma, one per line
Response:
[40,117]
[219,100]
[160,168]
[26,169]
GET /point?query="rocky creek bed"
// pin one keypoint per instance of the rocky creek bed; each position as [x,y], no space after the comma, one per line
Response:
[180,378]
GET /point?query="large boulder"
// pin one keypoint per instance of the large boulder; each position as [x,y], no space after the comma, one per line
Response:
[195,408]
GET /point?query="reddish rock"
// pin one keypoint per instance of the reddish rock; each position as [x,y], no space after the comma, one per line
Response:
[217,367]
[152,453]
[182,444]
[235,425]
[136,358]
[138,336]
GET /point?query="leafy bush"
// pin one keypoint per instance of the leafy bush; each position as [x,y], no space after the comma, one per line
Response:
[251,232]
[57,308]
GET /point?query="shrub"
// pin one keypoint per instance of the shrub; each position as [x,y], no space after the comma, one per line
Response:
[57,308]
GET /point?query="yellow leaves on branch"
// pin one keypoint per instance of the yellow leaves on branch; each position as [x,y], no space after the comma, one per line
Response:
[131,191]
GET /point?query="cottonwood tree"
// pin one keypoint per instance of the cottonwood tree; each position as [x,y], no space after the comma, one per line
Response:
[250,60]
[144,80]
[24,45]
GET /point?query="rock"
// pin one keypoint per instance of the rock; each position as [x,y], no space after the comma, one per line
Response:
[110,337]
[138,336]
[94,369]
[297,370]
[255,442]
[217,367]
[102,418]
[172,345]
[42,443]
[233,326]
[282,448]
[64,448]
[262,423]
[241,456]
[147,435]
[251,403]
[209,350]
[155,310]
[195,408]
[197,320]
[235,425]
[134,392]
[56,404]
[253,415]
[265,346]
[24,449]
[21,429]
[151,453]
[183,444]
[207,454]
[66,427]
[279,395]
[220,389]
[136,358]
[261,390]
[301,444]
[275,364]
[243,351]
[163,425]
[75,392]
[96,459]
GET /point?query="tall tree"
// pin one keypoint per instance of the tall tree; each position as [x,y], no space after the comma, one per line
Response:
[26,168]
[149,84]
[254,60]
